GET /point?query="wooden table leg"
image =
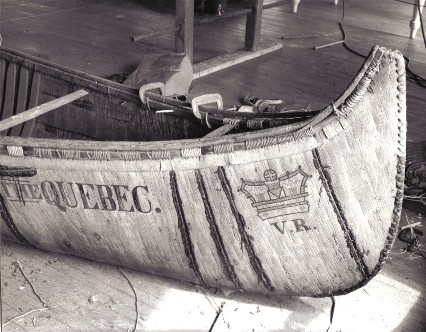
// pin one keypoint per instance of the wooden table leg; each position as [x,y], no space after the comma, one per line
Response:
[253,27]
[415,21]
[295,4]
[184,18]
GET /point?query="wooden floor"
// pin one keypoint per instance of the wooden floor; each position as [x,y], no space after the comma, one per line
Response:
[94,36]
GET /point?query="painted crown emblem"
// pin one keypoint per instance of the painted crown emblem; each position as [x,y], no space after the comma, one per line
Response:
[278,196]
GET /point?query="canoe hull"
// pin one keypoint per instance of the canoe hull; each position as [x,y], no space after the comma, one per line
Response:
[311,215]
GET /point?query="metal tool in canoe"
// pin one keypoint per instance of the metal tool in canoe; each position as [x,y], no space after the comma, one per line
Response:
[216,116]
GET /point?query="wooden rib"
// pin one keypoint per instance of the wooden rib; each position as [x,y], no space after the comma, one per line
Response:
[347,232]
[9,98]
[34,89]
[21,103]
[3,65]
[255,262]
[184,228]
[215,234]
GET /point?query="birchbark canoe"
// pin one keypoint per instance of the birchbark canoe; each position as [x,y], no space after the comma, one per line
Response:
[308,209]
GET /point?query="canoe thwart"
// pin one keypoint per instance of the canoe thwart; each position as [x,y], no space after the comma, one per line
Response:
[39,110]
[204,100]
[150,86]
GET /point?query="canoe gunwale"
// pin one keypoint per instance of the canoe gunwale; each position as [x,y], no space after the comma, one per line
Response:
[82,79]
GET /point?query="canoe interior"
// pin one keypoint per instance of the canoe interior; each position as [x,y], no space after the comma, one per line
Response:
[111,111]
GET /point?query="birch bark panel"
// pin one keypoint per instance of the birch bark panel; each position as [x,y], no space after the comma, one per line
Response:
[83,230]
[264,249]
[369,139]
[295,242]
[202,229]
[225,220]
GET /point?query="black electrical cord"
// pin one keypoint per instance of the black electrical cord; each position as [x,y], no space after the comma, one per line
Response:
[410,74]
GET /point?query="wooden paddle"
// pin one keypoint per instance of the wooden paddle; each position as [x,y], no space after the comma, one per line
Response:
[39,110]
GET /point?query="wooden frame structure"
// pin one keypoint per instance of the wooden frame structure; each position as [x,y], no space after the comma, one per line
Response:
[415,21]
[296,4]
[185,24]
[184,34]
[184,19]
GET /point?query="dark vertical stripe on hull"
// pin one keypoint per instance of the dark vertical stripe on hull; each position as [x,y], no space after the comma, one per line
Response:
[349,237]
[255,262]
[9,222]
[184,228]
[215,234]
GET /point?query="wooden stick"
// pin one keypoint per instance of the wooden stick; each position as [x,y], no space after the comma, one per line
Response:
[155,33]
[39,110]
[330,44]
[220,131]
[298,37]
[412,225]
